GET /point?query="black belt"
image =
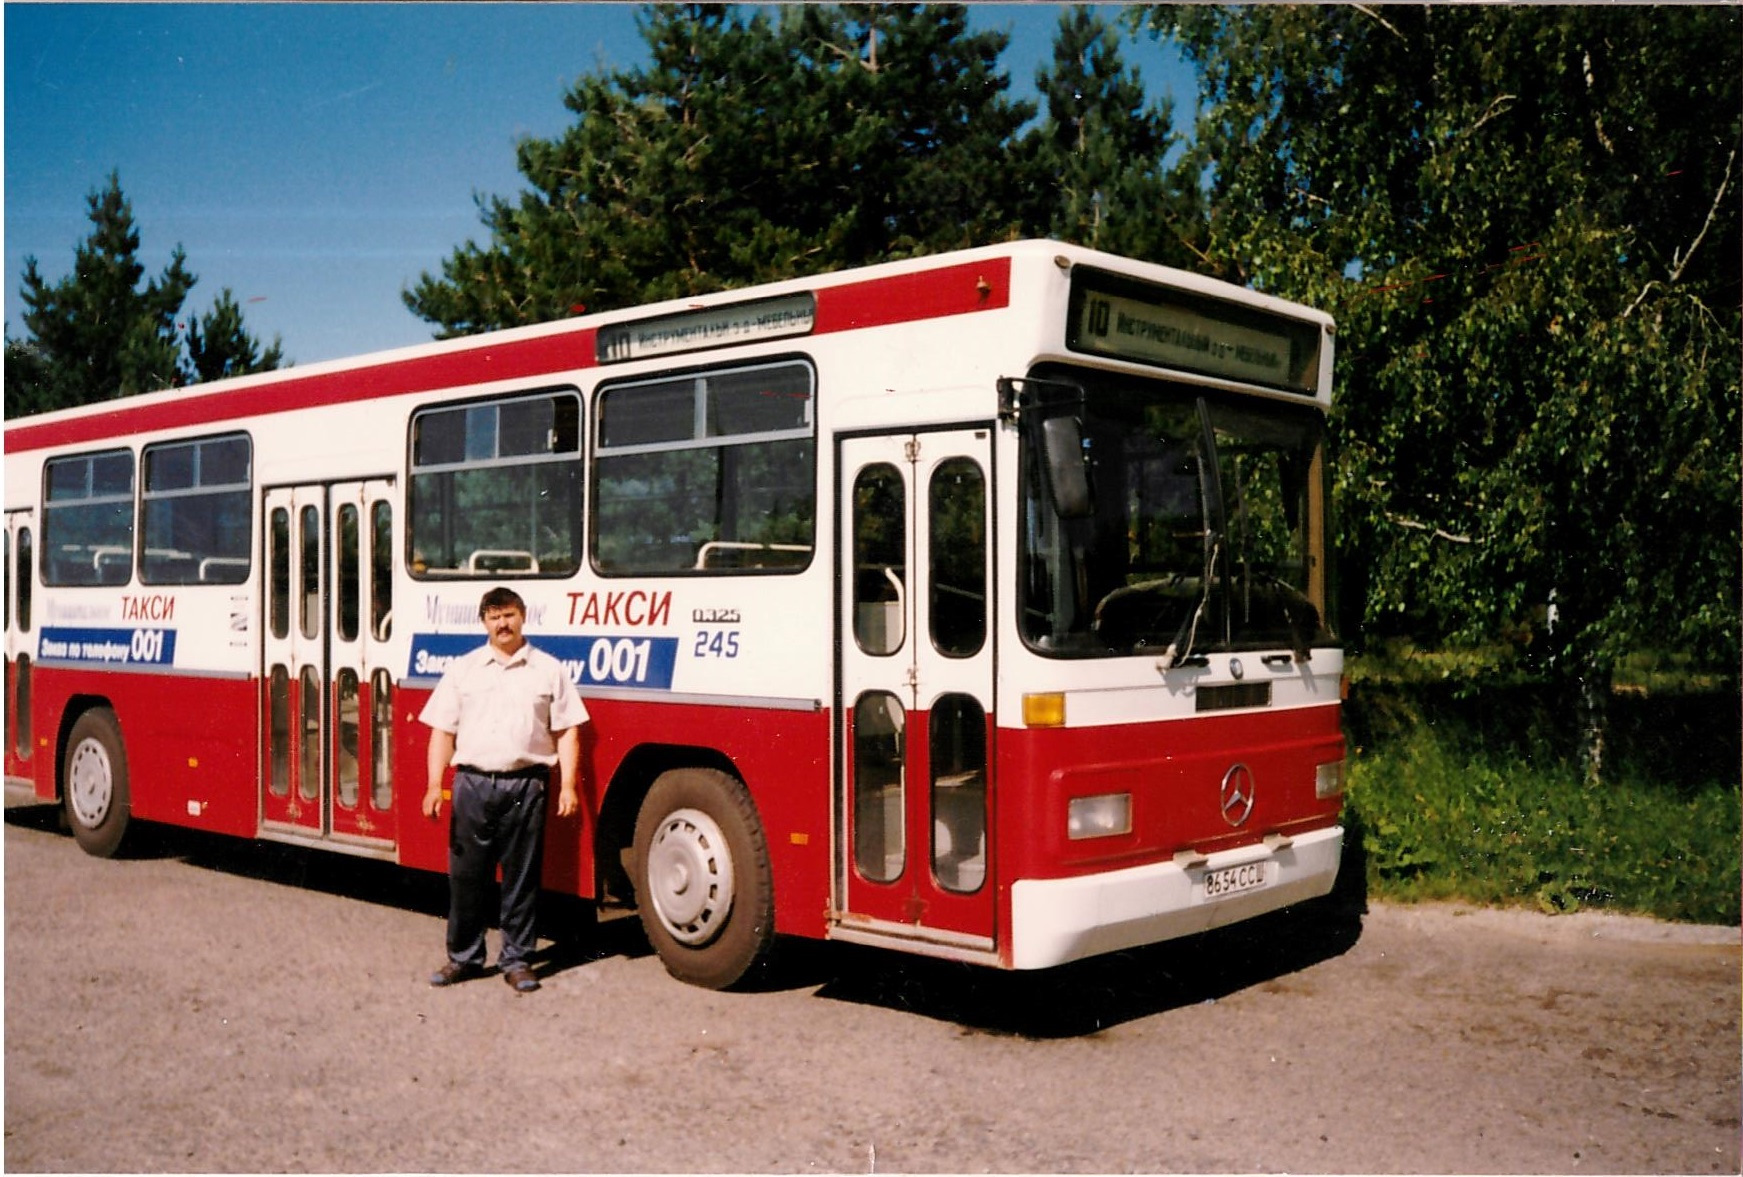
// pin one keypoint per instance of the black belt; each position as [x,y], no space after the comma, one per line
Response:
[531,772]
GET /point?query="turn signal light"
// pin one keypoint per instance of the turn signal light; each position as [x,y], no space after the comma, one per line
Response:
[1046,710]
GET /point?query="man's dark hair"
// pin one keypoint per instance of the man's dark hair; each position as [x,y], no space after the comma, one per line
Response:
[501,597]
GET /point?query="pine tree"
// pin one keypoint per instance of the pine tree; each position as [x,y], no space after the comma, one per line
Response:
[1102,152]
[748,149]
[219,345]
[96,334]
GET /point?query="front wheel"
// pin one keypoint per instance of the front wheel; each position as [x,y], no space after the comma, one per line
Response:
[94,783]
[704,886]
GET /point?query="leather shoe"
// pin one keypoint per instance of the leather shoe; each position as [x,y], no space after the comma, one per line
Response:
[453,973]
[520,979]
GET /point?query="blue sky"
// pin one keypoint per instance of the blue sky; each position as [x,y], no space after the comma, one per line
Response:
[317,158]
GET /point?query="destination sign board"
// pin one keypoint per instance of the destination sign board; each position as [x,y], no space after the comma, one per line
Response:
[1128,321]
[745,322]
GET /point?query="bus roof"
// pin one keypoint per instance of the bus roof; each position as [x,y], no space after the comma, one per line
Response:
[909,290]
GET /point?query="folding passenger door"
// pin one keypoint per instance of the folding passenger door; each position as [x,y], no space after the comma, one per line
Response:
[20,577]
[359,681]
[914,707]
[327,688]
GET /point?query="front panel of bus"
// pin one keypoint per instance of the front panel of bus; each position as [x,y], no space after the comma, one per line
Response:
[1171,754]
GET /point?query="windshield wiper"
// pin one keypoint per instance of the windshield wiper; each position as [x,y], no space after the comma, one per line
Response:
[1175,655]
[1210,486]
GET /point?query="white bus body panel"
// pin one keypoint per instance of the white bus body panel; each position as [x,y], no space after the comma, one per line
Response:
[1058,920]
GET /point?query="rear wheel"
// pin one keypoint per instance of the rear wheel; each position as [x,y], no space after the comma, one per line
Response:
[94,783]
[704,886]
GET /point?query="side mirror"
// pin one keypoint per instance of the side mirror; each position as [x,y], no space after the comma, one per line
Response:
[1062,443]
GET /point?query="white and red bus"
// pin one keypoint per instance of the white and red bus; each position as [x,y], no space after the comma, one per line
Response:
[972,605]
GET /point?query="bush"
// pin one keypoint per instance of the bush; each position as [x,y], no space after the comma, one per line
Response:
[1481,796]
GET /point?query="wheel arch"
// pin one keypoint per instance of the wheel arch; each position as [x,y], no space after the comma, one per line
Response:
[614,836]
[76,707]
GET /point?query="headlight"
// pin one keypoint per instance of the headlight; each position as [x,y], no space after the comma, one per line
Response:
[1328,780]
[1099,817]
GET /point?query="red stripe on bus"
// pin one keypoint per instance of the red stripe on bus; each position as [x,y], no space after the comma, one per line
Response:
[521,359]
[930,294]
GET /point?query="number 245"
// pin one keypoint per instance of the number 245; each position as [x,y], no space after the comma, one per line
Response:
[716,643]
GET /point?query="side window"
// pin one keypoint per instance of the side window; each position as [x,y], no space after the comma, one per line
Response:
[381,570]
[309,572]
[196,512]
[20,701]
[87,519]
[879,785]
[496,488]
[21,729]
[278,572]
[26,579]
[707,472]
[349,572]
[381,739]
[880,559]
[279,717]
[959,809]
[958,574]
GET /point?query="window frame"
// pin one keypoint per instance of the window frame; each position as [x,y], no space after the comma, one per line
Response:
[415,471]
[701,439]
[199,490]
[51,505]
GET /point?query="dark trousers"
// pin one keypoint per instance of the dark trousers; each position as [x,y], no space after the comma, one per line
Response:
[496,819]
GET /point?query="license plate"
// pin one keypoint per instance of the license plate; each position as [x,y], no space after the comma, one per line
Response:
[1232,880]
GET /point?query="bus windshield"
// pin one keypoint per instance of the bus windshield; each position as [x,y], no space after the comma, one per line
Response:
[1199,533]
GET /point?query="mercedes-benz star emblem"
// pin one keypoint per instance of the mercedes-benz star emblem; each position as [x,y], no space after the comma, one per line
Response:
[1237,794]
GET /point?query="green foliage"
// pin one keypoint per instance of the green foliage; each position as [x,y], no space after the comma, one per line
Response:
[749,149]
[1099,155]
[1474,802]
[96,334]
[1526,221]
[219,345]
[761,145]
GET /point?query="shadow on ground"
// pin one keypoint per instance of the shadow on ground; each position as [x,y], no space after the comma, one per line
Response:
[1086,997]
[576,936]
[1074,1000]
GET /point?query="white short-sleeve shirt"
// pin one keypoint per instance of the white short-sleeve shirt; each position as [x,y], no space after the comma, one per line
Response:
[505,713]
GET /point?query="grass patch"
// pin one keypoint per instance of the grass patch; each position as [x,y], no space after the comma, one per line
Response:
[1482,797]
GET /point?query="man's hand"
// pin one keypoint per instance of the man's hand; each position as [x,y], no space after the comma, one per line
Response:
[441,751]
[568,771]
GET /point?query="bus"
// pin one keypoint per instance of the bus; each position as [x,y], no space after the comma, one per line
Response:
[974,605]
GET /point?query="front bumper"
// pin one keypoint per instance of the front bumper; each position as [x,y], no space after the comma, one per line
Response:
[1058,920]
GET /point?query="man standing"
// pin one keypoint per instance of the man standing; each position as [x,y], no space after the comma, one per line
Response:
[503,715]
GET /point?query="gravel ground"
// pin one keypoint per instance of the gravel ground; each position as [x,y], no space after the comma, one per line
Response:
[222,1006]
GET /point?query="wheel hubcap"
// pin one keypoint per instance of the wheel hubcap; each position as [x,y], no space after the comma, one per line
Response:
[90,783]
[689,874]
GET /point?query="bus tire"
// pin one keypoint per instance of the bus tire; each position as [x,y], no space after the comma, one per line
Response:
[94,791]
[704,886]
